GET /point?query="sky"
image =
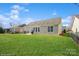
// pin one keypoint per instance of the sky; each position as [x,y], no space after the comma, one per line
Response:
[12,14]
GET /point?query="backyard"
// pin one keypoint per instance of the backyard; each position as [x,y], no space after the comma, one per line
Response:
[37,45]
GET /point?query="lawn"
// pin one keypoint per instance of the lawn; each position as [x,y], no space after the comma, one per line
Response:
[37,45]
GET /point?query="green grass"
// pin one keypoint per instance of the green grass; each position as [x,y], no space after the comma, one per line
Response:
[37,45]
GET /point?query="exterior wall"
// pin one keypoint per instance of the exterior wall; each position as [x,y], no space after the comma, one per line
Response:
[28,29]
[75,26]
[43,30]
[56,29]
[59,29]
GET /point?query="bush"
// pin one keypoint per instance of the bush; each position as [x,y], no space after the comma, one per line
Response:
[64,31]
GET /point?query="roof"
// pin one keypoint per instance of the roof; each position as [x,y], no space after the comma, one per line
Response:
[53,21]
[22,25]
[77,15]
[73,18]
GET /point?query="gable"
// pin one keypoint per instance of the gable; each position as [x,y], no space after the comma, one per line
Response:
[75,27]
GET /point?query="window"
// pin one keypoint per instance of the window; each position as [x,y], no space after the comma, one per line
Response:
[38,29]
[33,29]
[50,28]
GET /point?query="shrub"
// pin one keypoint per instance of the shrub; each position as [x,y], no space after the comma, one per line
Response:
[64,31]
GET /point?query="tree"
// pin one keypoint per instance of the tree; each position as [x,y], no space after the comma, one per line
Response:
[1,30]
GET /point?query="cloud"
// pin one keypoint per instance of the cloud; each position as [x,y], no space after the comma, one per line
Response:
[17,7]
[28,20]
[13,17]
[4,21]
[26,10]
[66,21]
[54,13]
[3,18]
[14,12]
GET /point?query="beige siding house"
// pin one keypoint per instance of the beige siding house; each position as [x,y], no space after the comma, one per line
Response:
[50,26]
[75,24]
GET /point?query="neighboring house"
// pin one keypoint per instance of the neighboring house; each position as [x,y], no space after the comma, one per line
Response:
[50,26]
[18,29]
[75,24]
[7,30]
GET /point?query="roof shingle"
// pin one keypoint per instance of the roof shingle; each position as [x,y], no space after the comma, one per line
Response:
[54,21]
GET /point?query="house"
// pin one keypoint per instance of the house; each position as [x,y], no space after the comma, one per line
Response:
[75,24]
[50,26]
[18,29]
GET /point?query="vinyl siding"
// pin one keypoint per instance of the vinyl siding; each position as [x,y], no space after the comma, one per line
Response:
[75,27]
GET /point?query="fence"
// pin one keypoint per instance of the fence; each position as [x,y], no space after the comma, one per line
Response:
[75,37]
